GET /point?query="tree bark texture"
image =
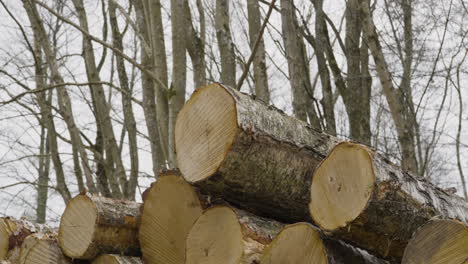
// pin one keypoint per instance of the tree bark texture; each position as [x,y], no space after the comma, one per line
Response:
[251,154]
[225,44]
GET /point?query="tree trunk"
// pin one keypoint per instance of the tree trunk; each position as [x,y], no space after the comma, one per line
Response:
[93,225]
[195,44]
[259,64]
[250,154]
[225,44]
[363,198]
[299,76]
[170,208]
[12,235]
[116,259]
[226,235]
[303,243]
[438,241]
[40,248]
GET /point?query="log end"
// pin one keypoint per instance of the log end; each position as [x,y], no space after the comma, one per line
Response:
[296,243]
[204,132]
[171,208]
[40,248]
[77,227]
[215,238]
[438,241]
[342,186]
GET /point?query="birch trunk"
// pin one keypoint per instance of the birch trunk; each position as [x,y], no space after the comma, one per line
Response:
[364,199]
[235,147]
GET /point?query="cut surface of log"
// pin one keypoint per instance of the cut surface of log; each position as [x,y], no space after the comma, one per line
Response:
[93,225]
[438,242]
[251,154]
[42,249]
[303,244]
[116,259]
[171,207]
[364,199]
[226,235]
[12,235]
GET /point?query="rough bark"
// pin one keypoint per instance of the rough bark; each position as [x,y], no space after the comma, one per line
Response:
[438,241]
[304,243]
[12,235]
[170,208]
[42,248]
[299,76]
[362,198]
[225,44]
[235,147]
[116,259]
[93,225]
[259,64]
[239,237]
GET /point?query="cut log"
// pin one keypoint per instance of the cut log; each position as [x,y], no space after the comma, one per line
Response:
[251,154]
[439,241]
[40,249]
[116,259]
[230,236]
[171,207]
[92,225]
[12,235]
[303,243]
[364,199]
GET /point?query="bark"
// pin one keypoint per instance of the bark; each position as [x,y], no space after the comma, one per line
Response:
[299,76]
[225,44]
[176,94]
[93,225]
[438,241]
[100,103]
[42,248]
[171,207]
[304,243]
[129,118]
[235,147]
[64,102]
[259,63]
[149,105]
[239,236]
[12,235]
[195,44]
[362,198]
[116,259]
[403,126]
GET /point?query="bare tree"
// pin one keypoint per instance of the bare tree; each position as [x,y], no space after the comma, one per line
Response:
[226,47]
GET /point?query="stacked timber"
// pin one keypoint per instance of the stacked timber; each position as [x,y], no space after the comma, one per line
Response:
[256,186]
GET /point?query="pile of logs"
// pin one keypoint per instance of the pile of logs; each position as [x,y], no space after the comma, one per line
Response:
[256,186]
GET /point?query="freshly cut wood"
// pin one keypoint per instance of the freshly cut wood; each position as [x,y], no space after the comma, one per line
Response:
[40,249]
[304,244]
[229,236]
[438,242]
[362,198]
[171,207]
[12,235]
[92,225]
[251,154]
[117,259]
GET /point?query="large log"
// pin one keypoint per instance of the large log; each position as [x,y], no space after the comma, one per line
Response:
[364,199]
[92,225]
[305,244]
[439,241]
[226,235]
[171,207]
[41,249]
[251,154]
[116,259]
[12,235]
